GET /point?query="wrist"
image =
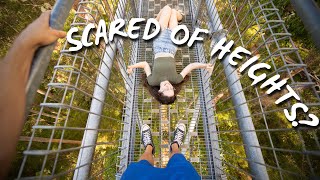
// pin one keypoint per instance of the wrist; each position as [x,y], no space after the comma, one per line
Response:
[143,64]
[20,55]
[24,40]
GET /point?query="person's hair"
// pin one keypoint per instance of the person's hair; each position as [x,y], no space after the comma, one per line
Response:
[154,90]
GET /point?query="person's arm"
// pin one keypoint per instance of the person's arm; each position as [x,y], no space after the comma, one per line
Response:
[14,72]
[192,66]
[143,65]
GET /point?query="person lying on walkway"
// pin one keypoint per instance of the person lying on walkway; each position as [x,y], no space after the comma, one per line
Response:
[164,83]
[14,73]
[177,168]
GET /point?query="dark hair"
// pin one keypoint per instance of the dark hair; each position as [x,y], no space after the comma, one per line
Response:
[154,90]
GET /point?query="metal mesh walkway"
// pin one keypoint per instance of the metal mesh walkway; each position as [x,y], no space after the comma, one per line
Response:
[85,124]
[162,118]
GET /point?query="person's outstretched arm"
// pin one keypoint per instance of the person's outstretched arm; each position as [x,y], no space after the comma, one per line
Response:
[14,72]
[192,66]
[143,65]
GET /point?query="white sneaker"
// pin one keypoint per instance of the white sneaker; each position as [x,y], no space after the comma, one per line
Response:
[178,135]
[146,137]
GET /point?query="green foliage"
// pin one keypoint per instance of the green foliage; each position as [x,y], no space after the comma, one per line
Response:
[294,24]
[15,16]
[248,33]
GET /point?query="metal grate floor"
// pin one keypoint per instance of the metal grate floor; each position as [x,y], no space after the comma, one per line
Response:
[162,118]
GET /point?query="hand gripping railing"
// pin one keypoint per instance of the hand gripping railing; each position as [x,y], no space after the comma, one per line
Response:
[81,110]
[41,59]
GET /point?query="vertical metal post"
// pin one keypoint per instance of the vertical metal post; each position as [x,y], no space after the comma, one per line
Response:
[309,13]
[249,137]
[90,136]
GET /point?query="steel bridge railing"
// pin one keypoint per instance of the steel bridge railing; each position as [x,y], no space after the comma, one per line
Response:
[76,129]
[255,138]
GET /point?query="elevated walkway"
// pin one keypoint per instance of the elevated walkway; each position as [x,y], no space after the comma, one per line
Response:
[234,130]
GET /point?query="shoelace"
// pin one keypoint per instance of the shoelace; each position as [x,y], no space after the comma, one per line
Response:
[146,137]
[179,137]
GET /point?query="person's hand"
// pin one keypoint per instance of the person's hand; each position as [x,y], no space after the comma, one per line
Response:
[39,33]
[209,68]
[129,70]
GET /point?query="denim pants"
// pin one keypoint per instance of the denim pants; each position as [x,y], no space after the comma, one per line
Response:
[163,43]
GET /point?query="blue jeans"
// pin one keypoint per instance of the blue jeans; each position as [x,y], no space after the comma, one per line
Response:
[163,43]
[177,168]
